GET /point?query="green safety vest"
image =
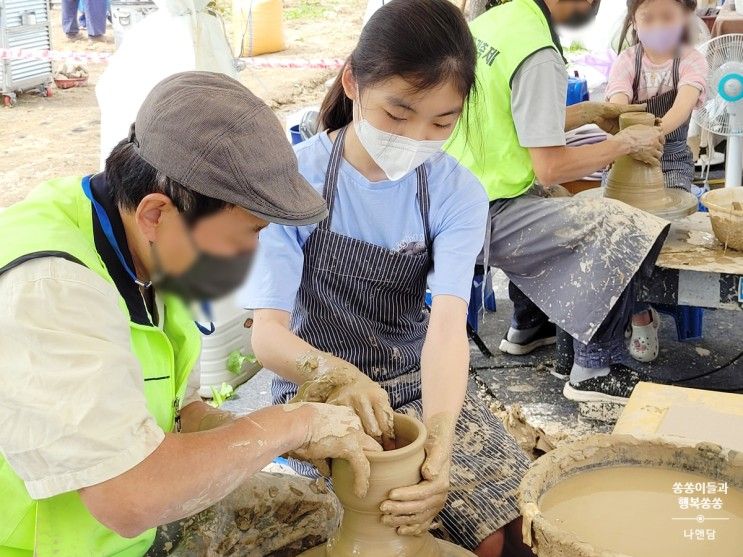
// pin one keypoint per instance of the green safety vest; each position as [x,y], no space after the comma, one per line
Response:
[57,219]
[485,139]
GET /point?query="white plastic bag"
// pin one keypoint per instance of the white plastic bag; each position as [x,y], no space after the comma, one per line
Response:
[180,36]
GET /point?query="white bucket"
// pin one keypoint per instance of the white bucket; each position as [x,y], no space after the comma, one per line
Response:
[230,335]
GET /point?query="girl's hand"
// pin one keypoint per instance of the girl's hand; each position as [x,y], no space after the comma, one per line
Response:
[606,115]
[412,509]
[336,381]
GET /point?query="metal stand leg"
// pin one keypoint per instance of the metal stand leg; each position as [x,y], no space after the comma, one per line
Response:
[563,353]
[479,342]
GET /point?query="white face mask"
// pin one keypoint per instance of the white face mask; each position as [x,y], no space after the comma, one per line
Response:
[396,155]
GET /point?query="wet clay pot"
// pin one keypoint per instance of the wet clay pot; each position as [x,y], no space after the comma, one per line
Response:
[361,533]
[636,183]
[553,535]
[642,185]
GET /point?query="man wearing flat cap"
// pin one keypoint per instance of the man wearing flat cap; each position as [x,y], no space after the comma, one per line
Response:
[102,434]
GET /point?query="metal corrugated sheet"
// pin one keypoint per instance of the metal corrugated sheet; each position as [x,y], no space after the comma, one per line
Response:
[12,10]
[18,75]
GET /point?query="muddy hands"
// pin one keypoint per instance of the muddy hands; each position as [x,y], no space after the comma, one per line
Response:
[335,432]
[645,143]
[336,381]
[412,509]
[606,115]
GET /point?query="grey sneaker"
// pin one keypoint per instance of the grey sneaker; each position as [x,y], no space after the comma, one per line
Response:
[545,335]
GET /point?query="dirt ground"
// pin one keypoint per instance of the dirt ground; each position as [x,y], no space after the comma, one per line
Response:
[47,137]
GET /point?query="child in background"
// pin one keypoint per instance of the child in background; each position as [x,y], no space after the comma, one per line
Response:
[664,71]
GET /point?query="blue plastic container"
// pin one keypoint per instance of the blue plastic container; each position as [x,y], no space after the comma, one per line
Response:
[296,136]
[577,90]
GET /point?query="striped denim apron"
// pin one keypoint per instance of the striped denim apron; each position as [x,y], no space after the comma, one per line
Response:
[365,304]
[677,160]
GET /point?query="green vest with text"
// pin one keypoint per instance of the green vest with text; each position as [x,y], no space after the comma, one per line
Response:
[56,219]
[485,140]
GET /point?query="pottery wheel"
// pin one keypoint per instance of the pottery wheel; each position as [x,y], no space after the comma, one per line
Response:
[447,550]
[679,203]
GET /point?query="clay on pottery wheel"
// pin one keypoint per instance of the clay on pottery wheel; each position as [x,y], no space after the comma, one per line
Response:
[641,185]
[361,533]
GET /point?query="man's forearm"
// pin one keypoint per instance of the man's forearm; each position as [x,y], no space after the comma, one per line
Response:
[557,165]
[188,472]
[199,416]
[576,116]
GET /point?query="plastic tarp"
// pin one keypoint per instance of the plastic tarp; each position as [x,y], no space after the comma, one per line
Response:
[182,35]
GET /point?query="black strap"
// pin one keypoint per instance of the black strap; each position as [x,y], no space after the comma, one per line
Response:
[331,176]
[38,255]
[638,72]
[424,203]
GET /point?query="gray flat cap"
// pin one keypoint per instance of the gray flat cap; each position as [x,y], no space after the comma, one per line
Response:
[208,132]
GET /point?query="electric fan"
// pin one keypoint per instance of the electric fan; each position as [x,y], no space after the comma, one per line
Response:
[722,113]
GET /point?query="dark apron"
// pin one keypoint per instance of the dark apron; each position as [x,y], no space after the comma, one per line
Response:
[677,160]
[363,302]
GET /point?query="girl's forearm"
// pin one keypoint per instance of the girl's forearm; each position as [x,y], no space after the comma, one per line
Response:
[445,363]
[680,112]
[276,347]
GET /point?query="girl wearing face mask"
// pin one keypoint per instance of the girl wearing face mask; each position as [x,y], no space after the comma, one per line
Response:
[339,307]
[664,71]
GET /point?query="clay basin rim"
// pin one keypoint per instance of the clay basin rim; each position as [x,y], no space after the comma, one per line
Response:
[411,429]
[603,451]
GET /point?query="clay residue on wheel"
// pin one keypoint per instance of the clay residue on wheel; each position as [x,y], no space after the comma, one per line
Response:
[270,514]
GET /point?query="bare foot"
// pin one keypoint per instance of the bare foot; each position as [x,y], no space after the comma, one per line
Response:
[642,319]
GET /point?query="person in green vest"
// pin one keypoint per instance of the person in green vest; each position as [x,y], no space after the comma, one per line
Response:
[572,263]
[102,434]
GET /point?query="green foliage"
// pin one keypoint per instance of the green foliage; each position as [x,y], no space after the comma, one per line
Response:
[307,9]
[237,359]
[225,392]
[576,47]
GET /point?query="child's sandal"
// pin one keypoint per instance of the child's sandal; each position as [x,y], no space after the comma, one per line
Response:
[643,345]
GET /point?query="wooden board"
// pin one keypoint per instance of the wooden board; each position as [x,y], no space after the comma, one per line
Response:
[691,246]
[686,416]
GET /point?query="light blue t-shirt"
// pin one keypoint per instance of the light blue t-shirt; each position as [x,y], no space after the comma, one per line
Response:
[384,213]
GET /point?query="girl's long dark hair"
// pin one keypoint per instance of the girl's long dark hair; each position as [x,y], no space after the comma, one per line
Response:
[632,6]
[426,42]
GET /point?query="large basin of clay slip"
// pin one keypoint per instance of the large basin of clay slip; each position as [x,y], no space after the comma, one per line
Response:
[361,533]
[618,496]
[443,549]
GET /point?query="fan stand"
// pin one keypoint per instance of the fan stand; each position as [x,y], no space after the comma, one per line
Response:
[731,89]
[734,162]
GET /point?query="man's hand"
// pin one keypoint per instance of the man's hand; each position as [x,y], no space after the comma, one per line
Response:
[335,432]
[412,509]
[644,143]
[336,381]
[606,115]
